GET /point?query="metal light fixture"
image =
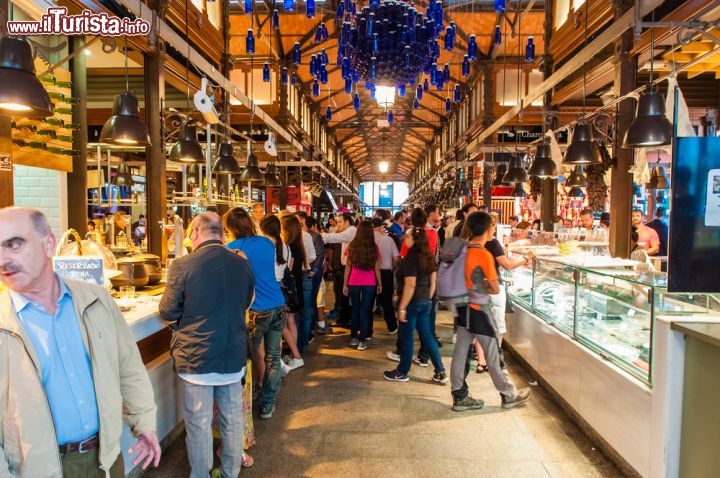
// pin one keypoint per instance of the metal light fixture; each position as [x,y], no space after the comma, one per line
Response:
[650,128]
[187,149]
[385,96]
[518,191]
[123,176]
[499,174]
[124,127]
[576,178]
[576,192]
[516,173]
[226,162]
[251,172]
[582,150]
[383,167]
[272,175]
[21,94]
[543,166]
[658,180]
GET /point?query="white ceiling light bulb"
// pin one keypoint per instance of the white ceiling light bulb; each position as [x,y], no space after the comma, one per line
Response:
[385,96]
[383,167]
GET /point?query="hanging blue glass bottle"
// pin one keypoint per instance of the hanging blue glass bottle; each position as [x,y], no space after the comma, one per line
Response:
[373,67]
[348,85]
[499,6]
[355,77]
[313,65]
[293,79]
[324,57]
[296,54]
[408,56]
[446,73]
[310,8]
[323,75]
[416,103]
[288,5]
[356,101]
[370,25]
[401,91]
[250,42]
[374,4]
[449,39]
[248,7]
[419,92]
[346,67]
[466,66]
[448,105]
[376,44]
[472,48]
[456,93]
[266,73]
[372,92]
[390,117]
[426,85]
[497,35]
[433,74]
[440,81]
[318,35]
[340,11]
[316,88]
[284,76]
[328,114]
[530,50]
[276,19]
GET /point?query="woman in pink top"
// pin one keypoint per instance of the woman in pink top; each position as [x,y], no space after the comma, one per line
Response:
[362,280]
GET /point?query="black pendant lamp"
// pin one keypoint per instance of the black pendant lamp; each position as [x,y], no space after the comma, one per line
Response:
[187,149]
[650,128]
[124,127]
[272,175]
[123,176]
[582,150]
[21,93]
[576,192]
[516,173]
[518,191]
[251,172]
[576,178]
[498,180]
[543,166]
[658,180]
[226,162]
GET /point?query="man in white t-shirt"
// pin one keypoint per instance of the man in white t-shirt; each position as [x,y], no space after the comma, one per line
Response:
[345,234]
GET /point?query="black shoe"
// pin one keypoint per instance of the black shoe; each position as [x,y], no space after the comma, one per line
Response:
[395,376]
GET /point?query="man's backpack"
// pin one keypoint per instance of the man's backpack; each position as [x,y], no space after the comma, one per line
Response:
[451,287]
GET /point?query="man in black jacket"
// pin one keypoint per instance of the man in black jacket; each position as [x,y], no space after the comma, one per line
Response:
[207,295]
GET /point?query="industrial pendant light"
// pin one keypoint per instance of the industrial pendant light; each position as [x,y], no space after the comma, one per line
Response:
[576,192]
[518,191]
[576,178]
[187,149]
[21,94]
[251,172]
[516,173]
[543,166]
[124,127]
[650,128]
[658,180]
[499,174]
[226,162]
[582,150]
[123,176]
[272,175]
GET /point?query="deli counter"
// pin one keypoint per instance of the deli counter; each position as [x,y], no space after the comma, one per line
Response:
[586,325]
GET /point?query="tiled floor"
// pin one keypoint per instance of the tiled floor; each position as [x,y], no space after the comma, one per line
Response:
[338,417]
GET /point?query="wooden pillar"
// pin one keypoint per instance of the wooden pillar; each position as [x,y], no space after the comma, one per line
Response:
[488,85]
[155,154]
[549,186]
[77,192]
[7,188]
[621,186]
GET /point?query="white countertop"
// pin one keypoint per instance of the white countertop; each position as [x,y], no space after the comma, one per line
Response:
[143,318]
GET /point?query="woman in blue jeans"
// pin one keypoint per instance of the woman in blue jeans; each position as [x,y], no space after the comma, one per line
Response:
[266,310]
[292,236]
[416,276]
[362,280]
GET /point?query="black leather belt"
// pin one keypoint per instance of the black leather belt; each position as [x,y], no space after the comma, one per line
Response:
[80,446]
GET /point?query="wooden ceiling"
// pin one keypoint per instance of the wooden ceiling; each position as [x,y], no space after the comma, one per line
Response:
[357,132]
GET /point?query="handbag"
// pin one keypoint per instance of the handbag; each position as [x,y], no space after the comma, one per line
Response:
[289,289]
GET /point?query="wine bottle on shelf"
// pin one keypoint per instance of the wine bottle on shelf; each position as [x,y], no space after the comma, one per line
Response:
[47,132]
[204,187]
[63,111]
[55,122]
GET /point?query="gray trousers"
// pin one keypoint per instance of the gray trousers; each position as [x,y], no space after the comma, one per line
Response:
[198,414]
[459,367]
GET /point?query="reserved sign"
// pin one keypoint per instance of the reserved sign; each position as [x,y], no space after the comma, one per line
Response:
[81,268]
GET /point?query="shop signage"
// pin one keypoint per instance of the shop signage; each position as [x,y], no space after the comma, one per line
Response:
[5,162]
[88,269]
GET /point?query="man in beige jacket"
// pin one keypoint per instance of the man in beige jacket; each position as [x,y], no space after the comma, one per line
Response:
[70,370]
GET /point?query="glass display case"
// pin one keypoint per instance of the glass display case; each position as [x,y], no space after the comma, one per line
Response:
[609,310]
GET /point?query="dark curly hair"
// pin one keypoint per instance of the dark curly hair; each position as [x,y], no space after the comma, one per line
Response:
[362,251]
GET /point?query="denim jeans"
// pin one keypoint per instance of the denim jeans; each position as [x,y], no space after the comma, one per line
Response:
[198,415]
[361,297]
[268,326]
[424,352]
[304,317]
[418,317]
[316,281]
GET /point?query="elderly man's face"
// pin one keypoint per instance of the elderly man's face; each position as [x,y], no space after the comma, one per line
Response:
[25,257]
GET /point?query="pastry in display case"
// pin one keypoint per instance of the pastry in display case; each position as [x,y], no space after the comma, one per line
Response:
[610,309]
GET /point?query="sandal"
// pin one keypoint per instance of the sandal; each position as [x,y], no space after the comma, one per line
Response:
[247,461]
[481,368]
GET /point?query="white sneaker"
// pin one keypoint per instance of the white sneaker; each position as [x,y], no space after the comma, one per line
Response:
[295,363]
[362,346]
[393,356]
[286,359]
[393,332]
[284,369]
[454,340]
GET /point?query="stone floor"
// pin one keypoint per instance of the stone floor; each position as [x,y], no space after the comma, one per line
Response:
[338,417]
